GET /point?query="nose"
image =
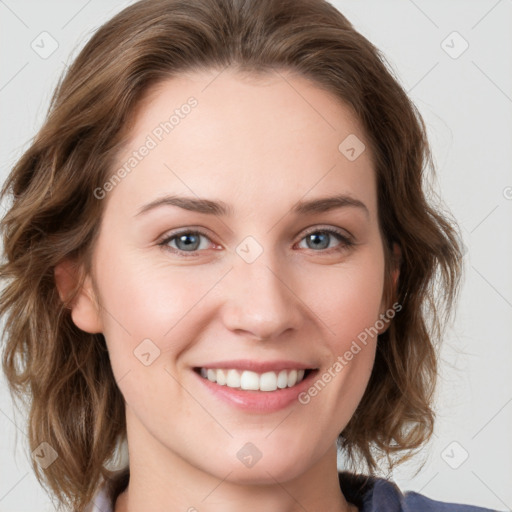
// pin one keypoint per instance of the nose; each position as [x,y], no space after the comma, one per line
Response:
[261,301]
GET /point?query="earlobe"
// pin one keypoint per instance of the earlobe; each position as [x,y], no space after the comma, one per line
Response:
[395,274]
[397,260]
[83,304]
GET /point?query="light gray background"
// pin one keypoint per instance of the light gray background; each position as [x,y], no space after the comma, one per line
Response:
[467,104]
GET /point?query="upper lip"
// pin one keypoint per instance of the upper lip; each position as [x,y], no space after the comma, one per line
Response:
[258,366]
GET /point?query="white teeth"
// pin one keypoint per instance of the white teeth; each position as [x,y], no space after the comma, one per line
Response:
[292,378]
[268,381]
[248,380]
[233,379]
[221,377]
[282,379]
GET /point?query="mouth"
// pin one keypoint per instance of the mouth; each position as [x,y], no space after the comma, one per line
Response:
[247,380]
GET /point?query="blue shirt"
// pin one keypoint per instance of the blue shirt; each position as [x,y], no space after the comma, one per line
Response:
[373,494]
[369,494]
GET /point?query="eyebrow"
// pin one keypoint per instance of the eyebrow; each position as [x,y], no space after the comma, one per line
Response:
[221,209]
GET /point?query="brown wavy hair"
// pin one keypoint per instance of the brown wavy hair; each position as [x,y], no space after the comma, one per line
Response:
[62,374]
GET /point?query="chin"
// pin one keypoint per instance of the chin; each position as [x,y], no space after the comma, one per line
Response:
[265,467]
[264,473]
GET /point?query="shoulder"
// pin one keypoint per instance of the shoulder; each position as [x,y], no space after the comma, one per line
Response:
[415,501]
[108,490]
[101,502]
[374,494]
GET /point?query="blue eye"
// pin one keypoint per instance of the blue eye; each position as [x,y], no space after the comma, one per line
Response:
[320,238]
[190,241]
[186,241]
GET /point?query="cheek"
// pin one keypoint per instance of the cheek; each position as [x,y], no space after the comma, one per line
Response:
[142,301]
[349,298]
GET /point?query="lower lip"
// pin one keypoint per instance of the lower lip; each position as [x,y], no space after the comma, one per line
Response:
[258,401]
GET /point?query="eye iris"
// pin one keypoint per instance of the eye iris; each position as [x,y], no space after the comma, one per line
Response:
[316,236]
[185,238]
[190,241]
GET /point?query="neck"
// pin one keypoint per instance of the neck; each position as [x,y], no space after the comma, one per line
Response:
[162,481]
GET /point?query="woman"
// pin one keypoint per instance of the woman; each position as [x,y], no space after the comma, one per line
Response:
[220,249]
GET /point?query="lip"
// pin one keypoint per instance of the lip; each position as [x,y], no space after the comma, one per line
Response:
[257,401]
[258,367]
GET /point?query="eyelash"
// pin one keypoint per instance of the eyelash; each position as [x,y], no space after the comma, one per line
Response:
[346,242]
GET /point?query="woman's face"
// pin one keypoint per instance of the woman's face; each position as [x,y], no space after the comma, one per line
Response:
[263,289]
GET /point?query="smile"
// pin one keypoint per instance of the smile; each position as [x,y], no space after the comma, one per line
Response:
[253,381]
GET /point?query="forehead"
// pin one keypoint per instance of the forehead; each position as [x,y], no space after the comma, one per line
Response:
[266,137]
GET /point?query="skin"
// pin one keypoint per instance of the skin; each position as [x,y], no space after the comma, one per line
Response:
[260,145]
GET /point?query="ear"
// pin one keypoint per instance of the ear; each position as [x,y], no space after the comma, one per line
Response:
[84,304]
[395,274]
[397,259]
